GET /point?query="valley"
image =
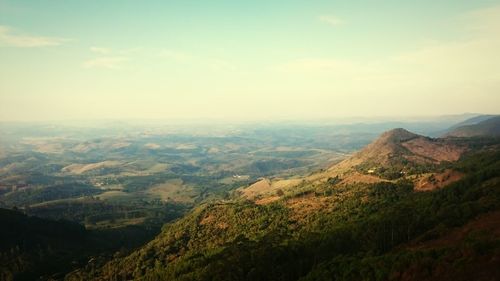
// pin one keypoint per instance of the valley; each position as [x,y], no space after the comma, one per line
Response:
[201,207]
[345,222]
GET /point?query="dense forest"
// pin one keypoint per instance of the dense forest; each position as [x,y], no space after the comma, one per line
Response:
[35,248]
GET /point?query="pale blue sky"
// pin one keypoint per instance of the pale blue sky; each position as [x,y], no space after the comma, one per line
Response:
[247,60]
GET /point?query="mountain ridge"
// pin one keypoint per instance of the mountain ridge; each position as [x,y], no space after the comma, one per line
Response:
[487,127]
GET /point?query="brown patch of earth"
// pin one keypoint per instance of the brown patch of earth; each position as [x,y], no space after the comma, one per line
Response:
[257,188]
[433,181]
[82,168]
[437,151]
[207,220]
[356,177]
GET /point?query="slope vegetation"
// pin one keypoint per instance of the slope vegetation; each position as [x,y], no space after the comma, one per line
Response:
[327,228]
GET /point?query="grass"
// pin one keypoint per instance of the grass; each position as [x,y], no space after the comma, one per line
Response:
[173,190]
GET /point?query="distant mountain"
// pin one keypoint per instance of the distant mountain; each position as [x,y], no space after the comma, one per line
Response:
[473,120]
[488,125]
[467,119]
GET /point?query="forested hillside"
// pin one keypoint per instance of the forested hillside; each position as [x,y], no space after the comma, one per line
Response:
[337,230]
[34,248]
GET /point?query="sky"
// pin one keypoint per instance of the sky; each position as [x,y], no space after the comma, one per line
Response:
[247,60]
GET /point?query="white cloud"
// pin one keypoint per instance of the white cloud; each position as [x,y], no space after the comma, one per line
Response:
[105,62]
[10,38]
[100,50]
[331,20]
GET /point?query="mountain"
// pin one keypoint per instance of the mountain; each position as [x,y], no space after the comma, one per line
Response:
[400,147]
[467,119]
[395,154]
[473,120]
[486,127]
[335,225]
[400,154]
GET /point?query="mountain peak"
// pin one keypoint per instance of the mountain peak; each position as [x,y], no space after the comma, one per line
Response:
[389,143]
[397,135]
[398,147]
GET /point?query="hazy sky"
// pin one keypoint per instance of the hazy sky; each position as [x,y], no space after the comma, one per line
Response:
[63,60]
